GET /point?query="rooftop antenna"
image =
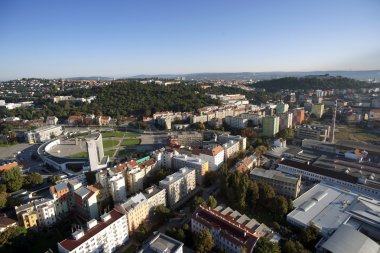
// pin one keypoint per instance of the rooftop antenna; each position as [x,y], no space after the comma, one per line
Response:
[333,122]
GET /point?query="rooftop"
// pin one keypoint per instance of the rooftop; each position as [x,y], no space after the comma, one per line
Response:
[133,201]
[176,176]
[161,243]
[273,174]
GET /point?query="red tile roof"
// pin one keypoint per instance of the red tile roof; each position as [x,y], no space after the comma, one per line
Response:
[210,152]
[70,243]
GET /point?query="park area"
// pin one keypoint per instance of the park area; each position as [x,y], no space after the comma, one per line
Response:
[355,134]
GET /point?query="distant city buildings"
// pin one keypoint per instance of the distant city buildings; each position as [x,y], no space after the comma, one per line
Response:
[271,125]
[43,134]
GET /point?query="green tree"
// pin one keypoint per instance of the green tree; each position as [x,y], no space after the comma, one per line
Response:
[212,202]
[252,195]
[294,247]
[266,193]
[3,199]
[13,179]
[198,201]
[204,242]
[266,246]
[55,178]
[33,179]
[310,236]
[10,234]
[261,149]
[162,212]
[279,206]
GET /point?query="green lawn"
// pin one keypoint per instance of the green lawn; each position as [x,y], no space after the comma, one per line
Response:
[355,133]
[130,142]
[79,155]
[119,134]
[110,152]
[110,143]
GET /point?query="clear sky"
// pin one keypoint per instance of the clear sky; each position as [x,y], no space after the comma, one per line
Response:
[67,38]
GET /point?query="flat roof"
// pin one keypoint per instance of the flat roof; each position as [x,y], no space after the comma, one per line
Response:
[322,205]
[161,243]
[348,240]
[274,174]
[176,176]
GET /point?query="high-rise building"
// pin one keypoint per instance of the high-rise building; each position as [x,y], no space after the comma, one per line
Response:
[298,116]
[286,120]
[95,151]
[281,108]
[271,125]
[317,110]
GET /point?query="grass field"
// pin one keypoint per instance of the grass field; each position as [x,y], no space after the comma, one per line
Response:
[119,134]
[355,133]
[79,155]
[110,143]
[110,152]
[130,142]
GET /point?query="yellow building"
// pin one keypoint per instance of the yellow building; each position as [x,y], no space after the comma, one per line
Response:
[317,110]
[27,216]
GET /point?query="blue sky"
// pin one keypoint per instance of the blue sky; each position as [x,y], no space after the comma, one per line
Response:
[122,38]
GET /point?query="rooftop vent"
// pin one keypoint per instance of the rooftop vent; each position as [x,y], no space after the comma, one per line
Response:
[105,217]
[92,223]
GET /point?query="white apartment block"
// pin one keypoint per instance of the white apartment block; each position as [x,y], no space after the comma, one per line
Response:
[230,149]
[223,138]
[200,166]
[256,118]
[103,236]
[236,122]
[214,157]
[117,188]
[179,184]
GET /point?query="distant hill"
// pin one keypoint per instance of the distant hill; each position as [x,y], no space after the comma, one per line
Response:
[89,78]
[358,75]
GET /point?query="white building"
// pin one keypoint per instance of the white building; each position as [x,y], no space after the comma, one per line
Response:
[179,184]
[117,188]
[42,211]
[95,151]
[105,235]
[236,122]
[215,156]
[51,120]
[201,166]
[223,138]
[162,243]
[43,134]
[230,149]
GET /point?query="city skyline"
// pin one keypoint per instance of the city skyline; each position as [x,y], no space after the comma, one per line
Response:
[121,39]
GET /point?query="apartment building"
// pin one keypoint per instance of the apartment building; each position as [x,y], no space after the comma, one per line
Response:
[137,210]
[246,163]
[200,166]
[271,125]
[231,148]
[318,110]
[286,120]
[43,134]
[36,214]
[214,157]
[190,139]
[228,234]
[282,108]
[51,120]
[117,187]
[236,122]
[255,118]
[298,116]
[223,138]
[162,243]
[178,185]
[283,184]
[155,196]
[105,235]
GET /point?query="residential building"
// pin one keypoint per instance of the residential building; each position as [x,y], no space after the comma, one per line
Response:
[214,157]
[103,120]
[338,178]
[231,148]
[286,120]
[298,116]
[36,214]
[155,196]
[317,110]
[228,234]
[105,235]
[246,164]
[190,139]
[282,108]
[43,134]
[179,185]
[137,210]
[8,164]
[51,120]
[313,132]
[86,202]
[162,243]
[254,118]
[201,166]
[223,138]
[236,122]
[271,125]
[117,188]
[283,184]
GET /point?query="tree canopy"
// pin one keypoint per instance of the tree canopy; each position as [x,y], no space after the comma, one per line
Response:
[13,179]
[204,241]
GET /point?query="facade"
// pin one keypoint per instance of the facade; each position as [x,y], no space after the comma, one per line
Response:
[135,180]
[283,184]
[236,122]
[214,157]
[298,116]
[286,120]
[190,139]
[336,178]
[155,196]
[179,185]
[162,243]
[317,110]
[313,132]
[95,151]
[228,234]
[43,134]
[105,235]
[36,214]
[223,138]
[201,166]
[230,149]
[51,120]
[282,108]
[271,125]
[117,188]
[137,210]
